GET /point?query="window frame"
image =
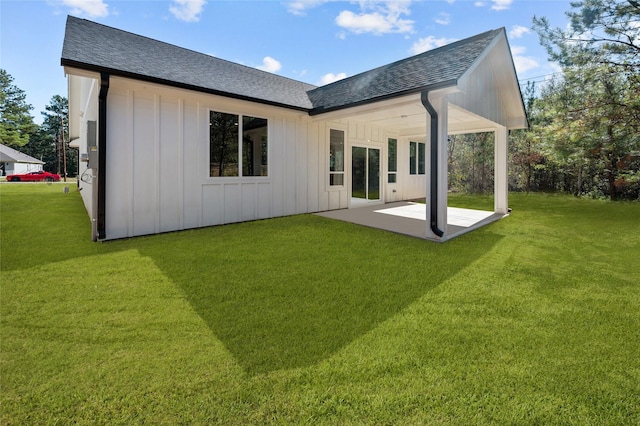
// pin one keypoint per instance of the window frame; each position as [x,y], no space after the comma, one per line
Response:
[416,166]
[393,172]
[240,143]
[342,173]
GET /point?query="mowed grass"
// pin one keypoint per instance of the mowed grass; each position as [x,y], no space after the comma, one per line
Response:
[534,319]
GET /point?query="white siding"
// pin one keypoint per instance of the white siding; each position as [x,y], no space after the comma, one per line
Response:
[158,162]
[479,89]
[86,99]
[409,186]
[158,172]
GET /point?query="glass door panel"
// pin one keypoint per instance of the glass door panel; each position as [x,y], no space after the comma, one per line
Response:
[359,172]
[373,175]
[365,173]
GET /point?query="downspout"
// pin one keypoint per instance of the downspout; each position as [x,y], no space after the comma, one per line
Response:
[102,154]
[433,201]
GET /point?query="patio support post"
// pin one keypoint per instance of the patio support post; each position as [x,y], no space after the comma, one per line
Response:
[501,178]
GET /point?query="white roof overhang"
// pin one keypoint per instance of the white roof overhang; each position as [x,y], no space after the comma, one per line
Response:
[407,117]
[74,97]
[487,96]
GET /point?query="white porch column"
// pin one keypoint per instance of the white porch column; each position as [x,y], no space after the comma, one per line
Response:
[501,173]
[441,105]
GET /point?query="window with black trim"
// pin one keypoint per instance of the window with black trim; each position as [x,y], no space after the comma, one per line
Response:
[233,137]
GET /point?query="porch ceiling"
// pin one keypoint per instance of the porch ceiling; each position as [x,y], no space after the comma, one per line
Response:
[408,117]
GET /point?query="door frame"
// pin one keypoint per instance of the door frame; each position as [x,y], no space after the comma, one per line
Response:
[358,202]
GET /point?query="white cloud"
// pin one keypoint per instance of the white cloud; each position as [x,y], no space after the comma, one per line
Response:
[377,17]
[518,31]
[90,8]
[331,77]
[429,43]
[443,18]
[501,4]
[270,65]
[187,10]
[300,7]
[523,63]
[495,4]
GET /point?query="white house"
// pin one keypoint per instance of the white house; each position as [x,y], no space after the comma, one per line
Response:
[13,162]
[173,139]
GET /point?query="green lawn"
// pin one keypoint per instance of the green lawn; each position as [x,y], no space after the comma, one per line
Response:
[534,319]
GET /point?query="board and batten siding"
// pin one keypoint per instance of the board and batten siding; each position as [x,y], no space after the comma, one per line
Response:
[87,102]
[158,163]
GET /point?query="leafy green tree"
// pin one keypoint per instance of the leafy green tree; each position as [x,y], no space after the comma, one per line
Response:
[15,121]
[592,112]
[604,30]
[471,162]
[54,137]
[42,146]
[525,152]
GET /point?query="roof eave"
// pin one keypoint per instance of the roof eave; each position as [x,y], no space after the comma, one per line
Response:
[430,87]
[119,73]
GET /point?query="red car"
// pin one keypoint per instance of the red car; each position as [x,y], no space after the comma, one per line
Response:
[34,177]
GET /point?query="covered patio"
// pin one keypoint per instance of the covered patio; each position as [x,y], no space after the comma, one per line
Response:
[466,87]
[409,218]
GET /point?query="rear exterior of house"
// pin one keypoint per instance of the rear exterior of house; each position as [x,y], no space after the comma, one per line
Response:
[202,142]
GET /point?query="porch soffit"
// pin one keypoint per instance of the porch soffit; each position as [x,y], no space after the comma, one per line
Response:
[407,117]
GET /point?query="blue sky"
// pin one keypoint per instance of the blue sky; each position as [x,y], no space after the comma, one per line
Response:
[314,41]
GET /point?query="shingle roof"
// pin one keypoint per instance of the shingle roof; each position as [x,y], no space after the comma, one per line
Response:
[437,66]
[96,47]
[10,155]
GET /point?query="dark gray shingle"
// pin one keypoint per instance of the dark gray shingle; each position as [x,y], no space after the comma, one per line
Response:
[97,47]
[447,63]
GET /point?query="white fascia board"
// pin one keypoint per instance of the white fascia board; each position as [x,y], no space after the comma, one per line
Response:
[505,80]
[81,73]
[73,97]
[463,80]
[368,108]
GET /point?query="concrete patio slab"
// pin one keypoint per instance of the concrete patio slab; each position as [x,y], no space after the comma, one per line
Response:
[410,218]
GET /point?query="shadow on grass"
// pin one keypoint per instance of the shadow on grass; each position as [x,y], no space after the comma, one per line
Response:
[41,224]
[290,292]
[280,293]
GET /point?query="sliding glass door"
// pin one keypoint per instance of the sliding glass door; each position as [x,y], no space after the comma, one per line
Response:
[365,173]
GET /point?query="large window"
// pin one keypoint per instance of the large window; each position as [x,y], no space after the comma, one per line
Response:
[416,158]
[226,131]
[392,160]
[254,146]
[336,157]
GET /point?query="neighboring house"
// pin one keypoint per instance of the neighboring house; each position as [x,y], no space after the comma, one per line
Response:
[14,162]
[177,139]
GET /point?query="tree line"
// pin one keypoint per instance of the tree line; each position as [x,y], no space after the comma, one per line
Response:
[584,123]
[584,135]
[49,141]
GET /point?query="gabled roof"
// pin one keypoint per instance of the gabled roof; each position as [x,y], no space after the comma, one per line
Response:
[96,47]
[434,67]
[10,155]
